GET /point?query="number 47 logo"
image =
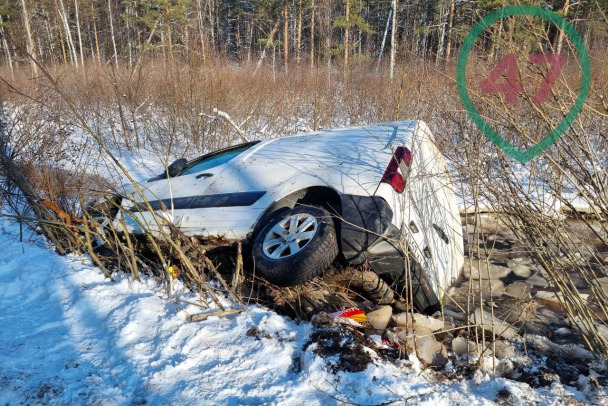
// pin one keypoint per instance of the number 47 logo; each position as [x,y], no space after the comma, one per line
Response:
[512,86]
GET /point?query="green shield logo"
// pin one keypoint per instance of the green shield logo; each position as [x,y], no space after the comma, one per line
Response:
[547,141]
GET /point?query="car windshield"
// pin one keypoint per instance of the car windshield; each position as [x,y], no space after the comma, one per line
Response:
[215,159]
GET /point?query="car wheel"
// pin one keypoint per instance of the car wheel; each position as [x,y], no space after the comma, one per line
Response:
[295,245]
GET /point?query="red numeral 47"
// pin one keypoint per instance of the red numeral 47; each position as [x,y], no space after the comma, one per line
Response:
[512,86]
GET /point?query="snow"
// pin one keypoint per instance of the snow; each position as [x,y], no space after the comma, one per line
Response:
[69,335]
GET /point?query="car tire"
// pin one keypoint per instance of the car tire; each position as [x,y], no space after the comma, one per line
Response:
[288,256]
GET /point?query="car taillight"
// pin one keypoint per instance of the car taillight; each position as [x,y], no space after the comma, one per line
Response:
[392,176]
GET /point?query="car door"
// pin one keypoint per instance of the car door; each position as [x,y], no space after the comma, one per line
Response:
[184,196]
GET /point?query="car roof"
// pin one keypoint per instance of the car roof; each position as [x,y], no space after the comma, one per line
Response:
[380,130]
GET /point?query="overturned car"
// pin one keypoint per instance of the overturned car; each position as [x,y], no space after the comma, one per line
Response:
[379,193]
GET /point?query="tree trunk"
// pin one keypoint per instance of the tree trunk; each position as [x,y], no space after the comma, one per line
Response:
[269,42]
[393,42]
[388,22]
[346,39]
[169,35]
[201,27]
[328,30]
[442,22]
[112,34]
[560,38]
[31,48]
[299,37]
[285,34]
[312,35]
[61,39]
[135,27]
[79,34]
[249,42]
[448,49]
[68,33]
[95,32]
[128,34]
[9,59]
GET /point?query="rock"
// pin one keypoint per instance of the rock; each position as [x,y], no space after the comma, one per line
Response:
[379,318]
[504,368]
[519,269]
[550,297]
[497,326]
[322,319]
[556,297]
[519,290]
[602,284]
[503,349]
[423,342]
[479,270]
[602,329]
[548,314]
[431,351]
[489,288]
[538,281]
[547,347]
[455,315]
[459,346]
[420,320]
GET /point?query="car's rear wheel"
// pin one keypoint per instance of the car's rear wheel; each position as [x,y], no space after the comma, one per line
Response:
[295,245]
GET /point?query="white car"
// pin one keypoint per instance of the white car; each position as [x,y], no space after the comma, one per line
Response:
[379,193]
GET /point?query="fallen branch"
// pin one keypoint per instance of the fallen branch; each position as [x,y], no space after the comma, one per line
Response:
[229,120]
[205,316]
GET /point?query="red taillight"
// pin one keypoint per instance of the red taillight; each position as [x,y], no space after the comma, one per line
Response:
[398,183]
[391,174]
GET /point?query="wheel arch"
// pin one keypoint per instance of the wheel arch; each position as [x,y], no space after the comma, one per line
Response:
[320,195]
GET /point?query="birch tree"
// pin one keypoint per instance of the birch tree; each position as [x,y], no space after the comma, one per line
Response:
[31,48]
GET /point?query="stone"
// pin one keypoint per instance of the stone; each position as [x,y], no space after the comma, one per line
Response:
[602,329]
[484,270]
[431,351]
[489,288]
[603,286]
[495,325]
[420,320]
[503,350]
[459,346]
[546,313]
[499,367]
[538,281]
[555,297]
[455,315]
[549,348]
[519,290]
[521,270]
[550,297]
[421,341]
[380,318]
[504,368]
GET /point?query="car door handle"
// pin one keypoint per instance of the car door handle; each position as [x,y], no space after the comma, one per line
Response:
[204,175]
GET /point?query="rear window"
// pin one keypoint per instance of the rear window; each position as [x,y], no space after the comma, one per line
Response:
[215,159]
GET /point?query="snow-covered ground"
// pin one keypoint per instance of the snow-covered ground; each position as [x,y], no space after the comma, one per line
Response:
[69,336]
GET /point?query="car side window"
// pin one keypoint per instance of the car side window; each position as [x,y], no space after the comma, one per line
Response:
[211,161]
